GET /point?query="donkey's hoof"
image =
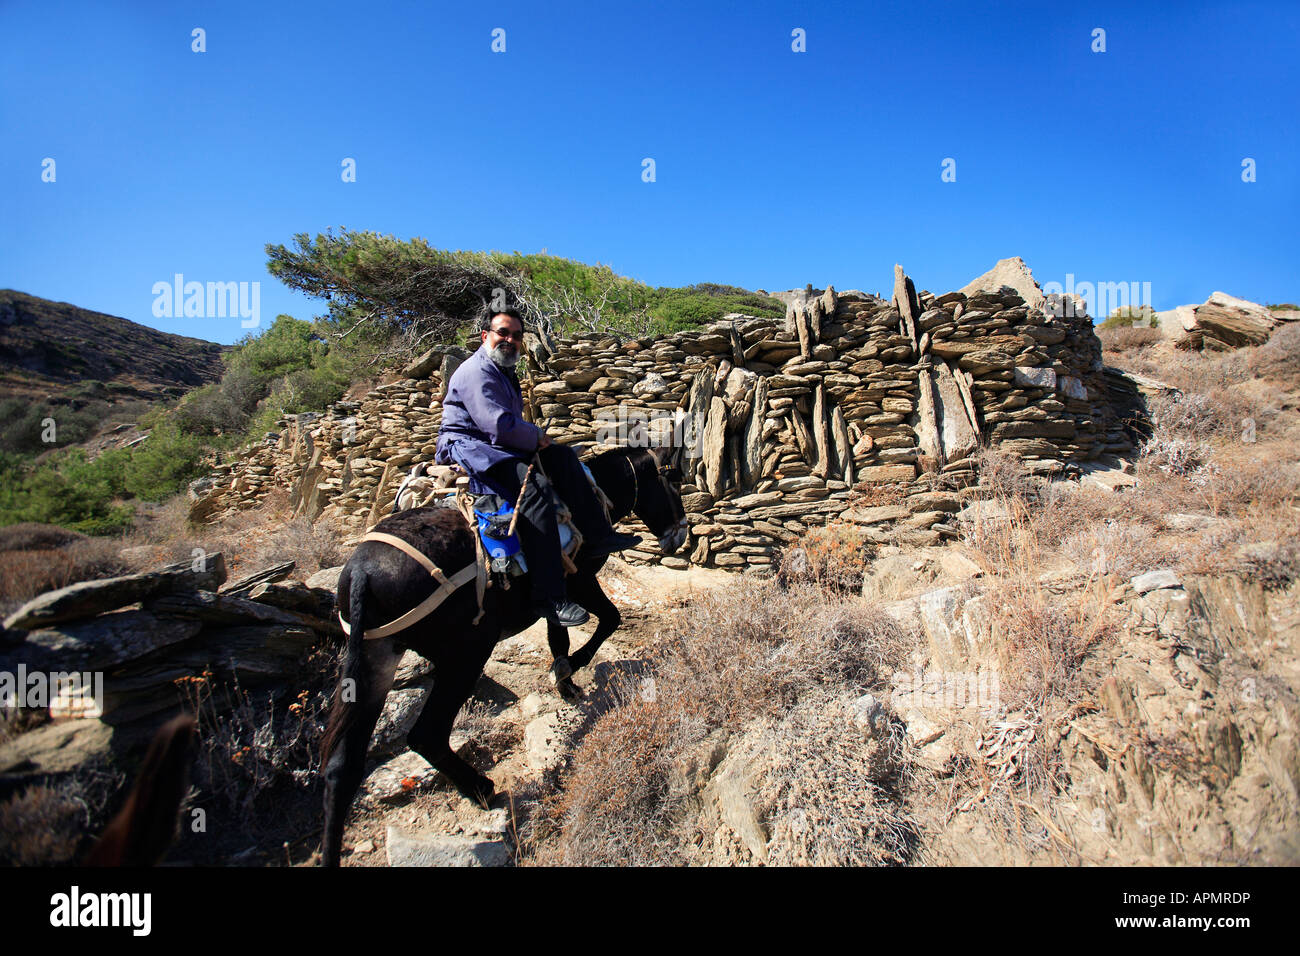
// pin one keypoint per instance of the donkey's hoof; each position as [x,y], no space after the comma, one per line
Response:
[569,690]
[481,791]
[561,671]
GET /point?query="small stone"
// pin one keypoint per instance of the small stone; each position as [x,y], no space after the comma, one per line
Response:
[407,849]
[1152,580]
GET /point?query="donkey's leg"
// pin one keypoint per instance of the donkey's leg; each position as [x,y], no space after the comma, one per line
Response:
[455,671]
[358,701]
[557,638]
[586,590]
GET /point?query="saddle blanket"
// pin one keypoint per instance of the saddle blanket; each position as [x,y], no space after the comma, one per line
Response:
[438,484]
[494,516]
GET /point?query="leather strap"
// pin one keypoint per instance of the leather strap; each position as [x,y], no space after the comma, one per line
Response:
[409,549]
[446,587]
[421,610]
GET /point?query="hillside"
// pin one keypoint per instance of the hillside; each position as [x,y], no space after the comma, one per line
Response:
[51,347]
[1040,587]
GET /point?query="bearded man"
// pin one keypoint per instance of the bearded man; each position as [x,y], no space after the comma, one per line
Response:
[484,431]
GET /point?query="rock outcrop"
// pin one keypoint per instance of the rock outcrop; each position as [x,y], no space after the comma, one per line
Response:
[1220,323]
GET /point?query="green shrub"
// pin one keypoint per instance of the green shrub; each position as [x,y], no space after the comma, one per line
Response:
[1129,316]
[67,490]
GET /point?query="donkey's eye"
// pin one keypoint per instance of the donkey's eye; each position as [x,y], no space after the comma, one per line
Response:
[673,474]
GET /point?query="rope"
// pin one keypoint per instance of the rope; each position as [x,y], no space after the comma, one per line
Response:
[465,505]
[523,487]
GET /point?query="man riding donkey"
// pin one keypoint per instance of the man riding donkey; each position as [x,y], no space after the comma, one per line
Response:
[484,432]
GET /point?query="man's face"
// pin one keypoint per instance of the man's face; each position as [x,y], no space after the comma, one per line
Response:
[504,340]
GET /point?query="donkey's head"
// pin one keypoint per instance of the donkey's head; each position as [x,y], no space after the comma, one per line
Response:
[658,499]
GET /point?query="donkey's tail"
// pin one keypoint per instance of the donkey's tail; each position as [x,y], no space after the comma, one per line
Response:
[351,674]
[144,829]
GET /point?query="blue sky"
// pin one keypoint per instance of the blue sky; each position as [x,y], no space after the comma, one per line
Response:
[773,168]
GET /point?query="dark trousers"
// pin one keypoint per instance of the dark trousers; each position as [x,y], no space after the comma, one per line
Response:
[538,532]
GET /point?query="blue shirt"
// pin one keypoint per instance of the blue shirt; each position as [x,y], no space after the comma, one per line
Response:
[483,419]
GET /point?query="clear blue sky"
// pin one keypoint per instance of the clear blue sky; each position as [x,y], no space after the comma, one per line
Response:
[774,168]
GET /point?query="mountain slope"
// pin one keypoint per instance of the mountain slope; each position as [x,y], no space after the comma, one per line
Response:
[49,347]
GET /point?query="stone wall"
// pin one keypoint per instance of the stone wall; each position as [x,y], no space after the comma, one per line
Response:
[786,423]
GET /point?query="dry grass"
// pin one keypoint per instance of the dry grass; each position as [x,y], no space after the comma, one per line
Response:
[250,540]
[1195,464]
[250,749]
[754,666]
[43,826]
[832,793]
[621,803]
[489,736]
[835,556]
[53,823]
[1128,338]
[34,536]
[1053,651]
[27,572]
[38,558]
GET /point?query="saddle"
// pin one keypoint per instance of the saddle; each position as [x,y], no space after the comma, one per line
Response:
[499,552]
[493,516]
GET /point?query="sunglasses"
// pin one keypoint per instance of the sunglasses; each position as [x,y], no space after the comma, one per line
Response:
[507,334]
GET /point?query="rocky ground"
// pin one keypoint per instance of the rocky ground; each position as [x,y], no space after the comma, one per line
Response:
[515,723]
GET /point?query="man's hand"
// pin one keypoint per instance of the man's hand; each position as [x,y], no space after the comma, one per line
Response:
[543,441]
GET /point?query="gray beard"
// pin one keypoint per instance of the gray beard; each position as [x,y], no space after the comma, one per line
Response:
[503,359]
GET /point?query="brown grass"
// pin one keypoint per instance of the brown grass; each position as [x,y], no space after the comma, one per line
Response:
[835,556]
[1128,338]
[39,558]
[832,796]
[251,540]
[43,826]
[740,664]
[32,535]
[250,749]
[25,573]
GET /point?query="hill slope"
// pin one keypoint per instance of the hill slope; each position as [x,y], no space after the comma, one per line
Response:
[49,347]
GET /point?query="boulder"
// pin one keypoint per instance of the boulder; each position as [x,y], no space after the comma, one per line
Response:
[327,578]
[1221,322]
[89,598]
[1008,272]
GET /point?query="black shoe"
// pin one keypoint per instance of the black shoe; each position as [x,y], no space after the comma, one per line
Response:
[612,543]
[564,613]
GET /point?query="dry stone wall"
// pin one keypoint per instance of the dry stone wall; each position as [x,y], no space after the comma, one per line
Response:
[785,423]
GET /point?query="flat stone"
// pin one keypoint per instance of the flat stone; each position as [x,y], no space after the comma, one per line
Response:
[408,849]
[1038,377]
[1152,580]
[398,778]
[88,598]
[1072,387]
[875,515]
[875,474]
